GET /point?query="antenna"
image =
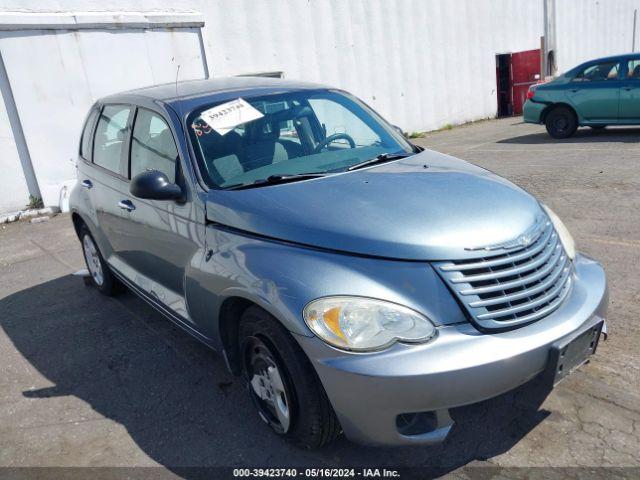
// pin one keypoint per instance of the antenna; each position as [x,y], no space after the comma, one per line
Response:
[177,73]
[179,105]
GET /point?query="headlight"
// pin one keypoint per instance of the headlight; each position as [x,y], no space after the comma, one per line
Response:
[565,237]
[358,323]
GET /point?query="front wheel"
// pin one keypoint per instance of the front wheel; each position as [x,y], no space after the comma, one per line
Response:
[561,122]
[282,383]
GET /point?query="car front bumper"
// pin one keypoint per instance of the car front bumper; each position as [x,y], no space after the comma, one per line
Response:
[460,366]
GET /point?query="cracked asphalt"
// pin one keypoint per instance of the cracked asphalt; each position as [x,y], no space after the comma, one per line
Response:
[87,380]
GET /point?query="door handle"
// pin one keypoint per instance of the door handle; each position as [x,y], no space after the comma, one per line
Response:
[574,90]
[126,205]
[628,88]
[86,183]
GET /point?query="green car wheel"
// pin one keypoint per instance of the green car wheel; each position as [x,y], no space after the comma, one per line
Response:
[561,122]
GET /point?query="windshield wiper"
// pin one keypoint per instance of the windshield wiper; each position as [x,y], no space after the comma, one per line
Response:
[384,157]
[275,180]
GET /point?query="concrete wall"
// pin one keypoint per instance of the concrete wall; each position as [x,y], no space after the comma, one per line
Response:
[587,29]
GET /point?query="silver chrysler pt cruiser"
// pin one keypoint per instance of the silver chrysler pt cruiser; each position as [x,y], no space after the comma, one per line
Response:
[356,283]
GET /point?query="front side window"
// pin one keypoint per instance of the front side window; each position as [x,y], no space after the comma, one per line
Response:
[599,72]
[308,132]
[633,72]
[110,135]
[152,145]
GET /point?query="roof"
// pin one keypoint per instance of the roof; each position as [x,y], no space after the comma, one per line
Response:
[612,58]
[171,92]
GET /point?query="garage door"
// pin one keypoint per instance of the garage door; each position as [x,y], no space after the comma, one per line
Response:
[56,74]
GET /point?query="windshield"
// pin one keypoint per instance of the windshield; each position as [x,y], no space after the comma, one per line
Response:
[244,141]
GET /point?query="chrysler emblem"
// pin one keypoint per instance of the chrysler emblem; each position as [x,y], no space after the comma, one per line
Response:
[523,240]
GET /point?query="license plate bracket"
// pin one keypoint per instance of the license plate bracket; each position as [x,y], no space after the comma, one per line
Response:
[571,352]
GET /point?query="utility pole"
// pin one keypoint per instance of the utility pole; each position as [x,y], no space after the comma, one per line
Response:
[635,20]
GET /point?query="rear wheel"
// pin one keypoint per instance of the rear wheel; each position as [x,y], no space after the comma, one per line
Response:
[282,383]
[561,122]
[100,274]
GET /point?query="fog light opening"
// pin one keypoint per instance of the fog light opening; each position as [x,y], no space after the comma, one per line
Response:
[417,423]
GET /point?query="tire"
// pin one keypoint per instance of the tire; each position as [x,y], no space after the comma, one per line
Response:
[561,122]
[100,274]
[282,383]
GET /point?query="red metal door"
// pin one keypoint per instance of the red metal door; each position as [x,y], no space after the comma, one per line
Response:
[524,68]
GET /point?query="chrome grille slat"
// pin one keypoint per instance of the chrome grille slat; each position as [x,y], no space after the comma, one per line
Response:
[548,282]
[527,306]
[536,248]
[537,315]
[542,259]
[514,283]
[513,287]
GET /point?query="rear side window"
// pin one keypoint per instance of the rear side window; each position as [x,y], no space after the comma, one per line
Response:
[152,145]
[110,135]
[599,72]
[633,72]
[85,143]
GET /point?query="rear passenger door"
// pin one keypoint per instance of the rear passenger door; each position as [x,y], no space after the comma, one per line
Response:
[594,92]
[630,93]
[161,236]
[103,179]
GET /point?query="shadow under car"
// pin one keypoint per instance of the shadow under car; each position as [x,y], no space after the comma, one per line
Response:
[183,409]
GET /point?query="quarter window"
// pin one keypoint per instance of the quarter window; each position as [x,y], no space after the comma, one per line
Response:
[110,135]
[85,144]
[152,146]
[633,72]
[599,72]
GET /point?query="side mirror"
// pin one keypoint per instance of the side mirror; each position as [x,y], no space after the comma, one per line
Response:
[154,185]
[399,130]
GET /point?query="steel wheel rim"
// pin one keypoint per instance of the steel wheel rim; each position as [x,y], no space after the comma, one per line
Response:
[561,123]
[266,385]
[93,260]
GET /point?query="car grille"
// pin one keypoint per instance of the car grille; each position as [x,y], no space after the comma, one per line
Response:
[505,290]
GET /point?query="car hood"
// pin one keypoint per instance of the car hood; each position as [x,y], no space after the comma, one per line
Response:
[428,206]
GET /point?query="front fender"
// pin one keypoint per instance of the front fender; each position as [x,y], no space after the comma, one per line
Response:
[283,278]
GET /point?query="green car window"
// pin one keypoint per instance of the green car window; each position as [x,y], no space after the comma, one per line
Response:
[633,72]
[598,72]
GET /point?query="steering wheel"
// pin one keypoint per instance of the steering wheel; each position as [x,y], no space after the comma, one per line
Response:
[333,138]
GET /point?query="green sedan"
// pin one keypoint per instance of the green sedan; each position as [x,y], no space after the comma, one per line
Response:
[595,94]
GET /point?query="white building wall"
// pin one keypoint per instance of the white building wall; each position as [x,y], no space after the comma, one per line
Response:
[14,193]
[588,29]
[421,63]
[55,75]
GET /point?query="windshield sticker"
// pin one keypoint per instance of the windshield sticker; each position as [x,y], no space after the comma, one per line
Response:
[227,116]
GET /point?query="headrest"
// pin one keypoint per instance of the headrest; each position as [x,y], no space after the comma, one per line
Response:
[263,130]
